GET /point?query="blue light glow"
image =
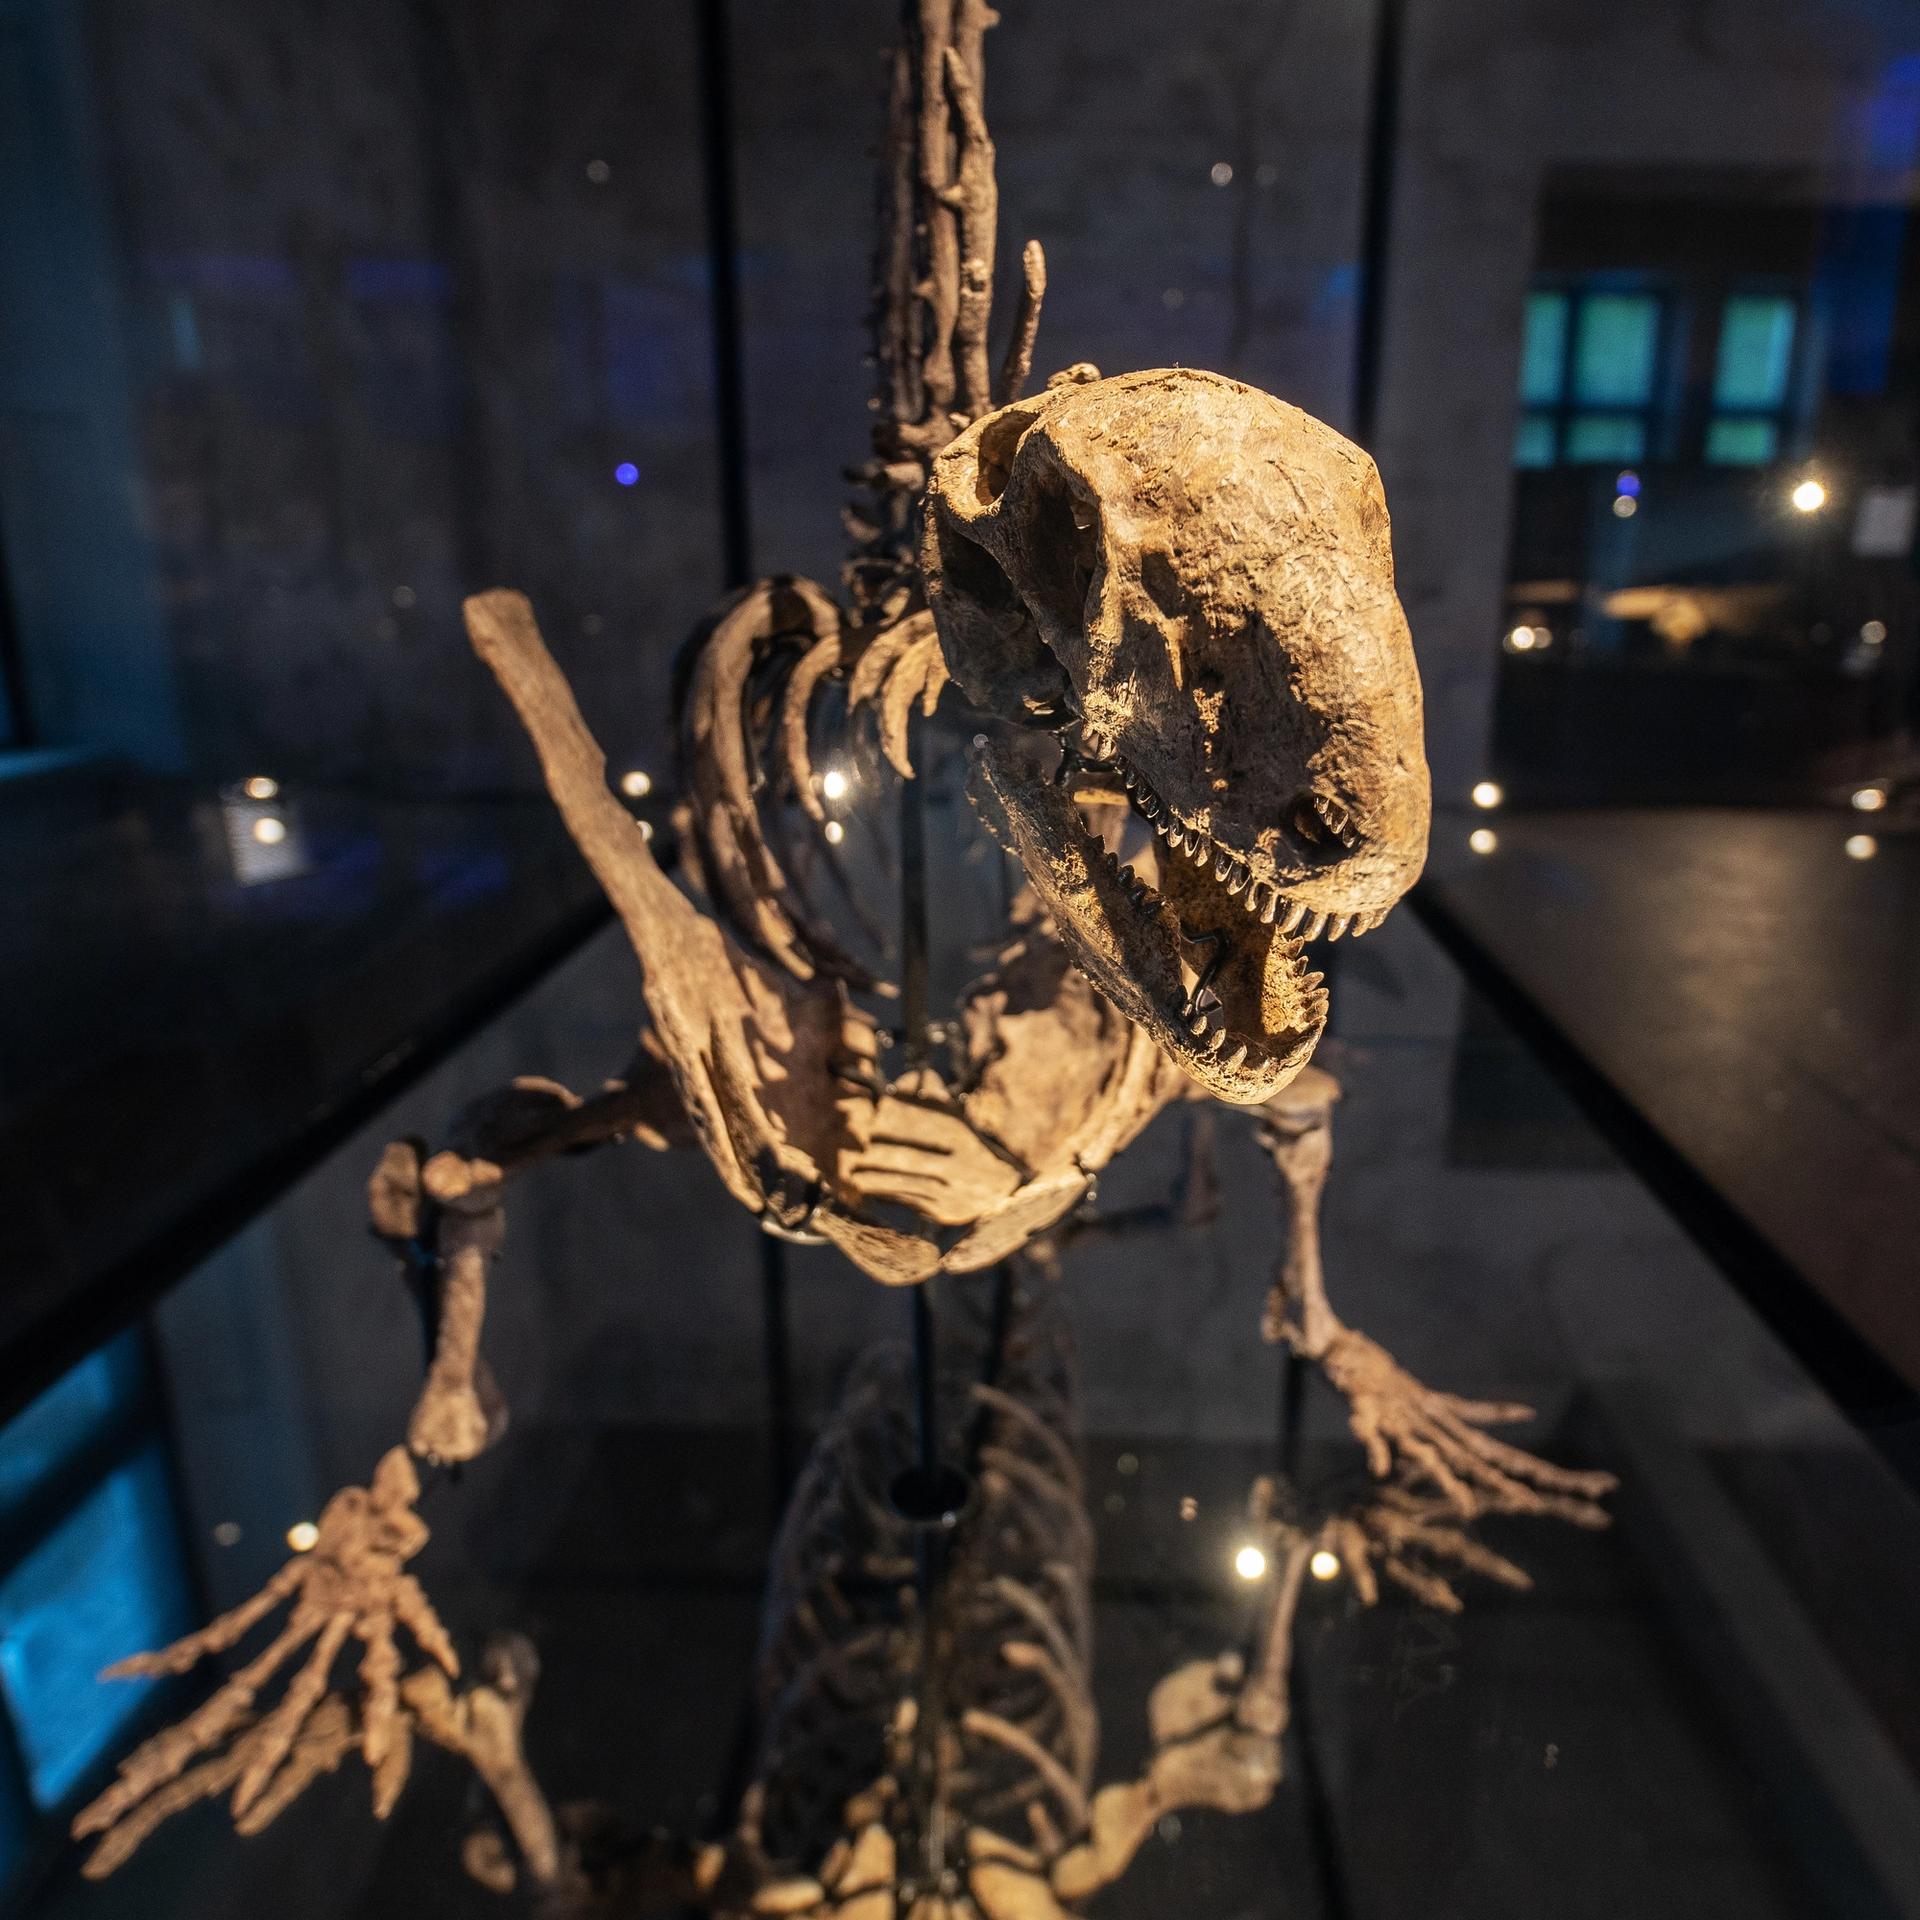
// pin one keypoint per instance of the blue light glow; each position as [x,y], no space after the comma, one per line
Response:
[1629,484]
[66,1419]
[627,473]
[106,1582]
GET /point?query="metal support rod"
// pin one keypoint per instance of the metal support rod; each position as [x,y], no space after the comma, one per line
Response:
[913,916]
[723,280]
[926,1412]
[777,1355]
[1376,218]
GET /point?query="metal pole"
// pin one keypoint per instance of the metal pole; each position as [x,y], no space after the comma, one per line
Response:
[1376,217]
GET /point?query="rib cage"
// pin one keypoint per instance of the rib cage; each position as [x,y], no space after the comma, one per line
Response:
[998,1674]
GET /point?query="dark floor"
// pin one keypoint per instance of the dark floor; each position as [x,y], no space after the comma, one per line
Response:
[1746,991]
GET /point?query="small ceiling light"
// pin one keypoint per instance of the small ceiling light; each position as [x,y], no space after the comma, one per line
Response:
[835,833]
[1129,1464]
[404,596]
[636,783]
[599,172]
[627,474]
[646,829]
[269,830]
[1861,846]
[1520,640]
[1808,497]
[1489,793]
[833,783]
[1250,1563]
[1483,840]
[1221,173]
[262,786]
[227,1533]
[1625,506]
[1869,799]
[303,1536]
[1189,1507]
[1628,483]
[1324,1565]
[1874,632]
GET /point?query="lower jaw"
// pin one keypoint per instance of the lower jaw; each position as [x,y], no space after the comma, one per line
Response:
[1129,945]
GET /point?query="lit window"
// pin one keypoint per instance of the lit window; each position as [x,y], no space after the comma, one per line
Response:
[1742,443]
[1533,441]
[1589,370]
[1756,352]
[1613,350]
[1543,352]
[1597,437]
[1752,380]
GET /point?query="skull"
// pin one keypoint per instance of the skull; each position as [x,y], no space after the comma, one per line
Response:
[1190,584]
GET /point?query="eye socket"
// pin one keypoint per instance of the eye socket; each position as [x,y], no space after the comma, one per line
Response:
[988,634]
[999,441]
[1060,550]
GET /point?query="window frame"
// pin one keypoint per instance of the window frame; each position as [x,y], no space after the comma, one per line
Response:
[1653,415]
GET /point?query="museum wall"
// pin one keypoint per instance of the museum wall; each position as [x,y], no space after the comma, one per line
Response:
[1496,94]
[404,290]
[415,301]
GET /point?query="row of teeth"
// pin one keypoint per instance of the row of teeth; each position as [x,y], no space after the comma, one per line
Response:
[1203,1014]
[1261,898]
[1318,815]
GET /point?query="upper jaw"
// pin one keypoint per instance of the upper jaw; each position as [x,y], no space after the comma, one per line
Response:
[1302,899]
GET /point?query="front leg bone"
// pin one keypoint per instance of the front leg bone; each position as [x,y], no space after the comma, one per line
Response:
[446,1220]
[1436,1437]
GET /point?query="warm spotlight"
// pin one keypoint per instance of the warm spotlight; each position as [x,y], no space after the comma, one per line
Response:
[303,1536]
[1808,497]
[269,830]
[833,783]
[1483,840]
[261,787]
[1625,506]
[1489,793]
[835,833]
[1861,846]
[636,785]
[1324,1565]
[1250,1563]
[1869,799]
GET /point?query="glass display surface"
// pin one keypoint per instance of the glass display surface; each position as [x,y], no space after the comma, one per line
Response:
[1709,1708]
[314,321]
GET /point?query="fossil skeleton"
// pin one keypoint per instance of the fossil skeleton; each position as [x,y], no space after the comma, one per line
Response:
[1162,608]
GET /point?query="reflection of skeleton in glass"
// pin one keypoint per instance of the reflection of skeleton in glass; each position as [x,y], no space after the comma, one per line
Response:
[1162,607]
